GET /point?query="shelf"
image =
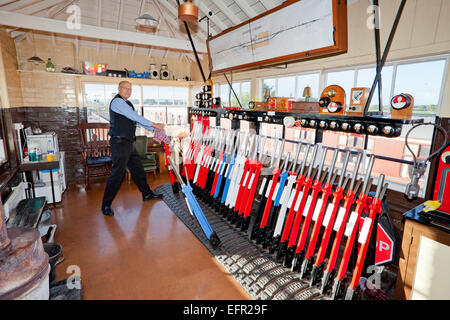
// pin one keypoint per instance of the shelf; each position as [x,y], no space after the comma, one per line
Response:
[103,79]
[373,125]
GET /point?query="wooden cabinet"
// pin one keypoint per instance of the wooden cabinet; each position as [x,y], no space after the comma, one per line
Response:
[424,261]
[162,163]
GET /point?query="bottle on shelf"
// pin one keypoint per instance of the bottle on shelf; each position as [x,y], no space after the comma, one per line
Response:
[50,67]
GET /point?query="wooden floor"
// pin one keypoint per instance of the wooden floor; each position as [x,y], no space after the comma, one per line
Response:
[143,252]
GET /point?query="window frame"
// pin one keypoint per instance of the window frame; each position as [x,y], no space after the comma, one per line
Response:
[218,85]
[323,76]
[140,107]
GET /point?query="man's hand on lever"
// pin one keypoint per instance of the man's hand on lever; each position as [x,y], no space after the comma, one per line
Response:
[159,126]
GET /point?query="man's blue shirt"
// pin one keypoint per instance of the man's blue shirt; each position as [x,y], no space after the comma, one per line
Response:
[121,107]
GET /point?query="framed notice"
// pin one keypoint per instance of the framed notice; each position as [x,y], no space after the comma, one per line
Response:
[296,30]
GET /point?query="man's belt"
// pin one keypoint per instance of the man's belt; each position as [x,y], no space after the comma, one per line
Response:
[125,138]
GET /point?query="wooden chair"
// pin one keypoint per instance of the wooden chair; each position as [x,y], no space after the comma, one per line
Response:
[95,150]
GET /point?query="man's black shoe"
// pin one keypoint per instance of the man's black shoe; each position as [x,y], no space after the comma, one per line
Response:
[107,211]
[152,196]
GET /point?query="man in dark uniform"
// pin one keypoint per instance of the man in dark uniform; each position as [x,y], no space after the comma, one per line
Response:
[123,121]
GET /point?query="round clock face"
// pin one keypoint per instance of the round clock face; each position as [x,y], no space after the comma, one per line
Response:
[356,96]
[400,101]
[323,102]
[289,121]
[334,107]
[331,92]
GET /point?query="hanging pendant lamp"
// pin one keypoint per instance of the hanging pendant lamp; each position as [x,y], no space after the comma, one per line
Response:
[35,59]
[147,20]
[188,11]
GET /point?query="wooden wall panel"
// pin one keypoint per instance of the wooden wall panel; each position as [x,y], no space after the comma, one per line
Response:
[10,83]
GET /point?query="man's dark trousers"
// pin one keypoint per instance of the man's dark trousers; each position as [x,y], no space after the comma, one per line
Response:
[124,154]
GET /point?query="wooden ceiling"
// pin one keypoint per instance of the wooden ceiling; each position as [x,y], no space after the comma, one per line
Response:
[115,19]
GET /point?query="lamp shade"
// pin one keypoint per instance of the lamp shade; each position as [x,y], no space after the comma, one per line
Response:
[147,20]
[35,60]
[188,12]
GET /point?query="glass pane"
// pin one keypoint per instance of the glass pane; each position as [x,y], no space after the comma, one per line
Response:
[365,79]
[150,95]
[165,96]
[237,90]
[111,90]
[423,81]
[94,94]
[245,93]
[103,114]
[180,96]
[308,80]
[268,87]
[135,98]
[224,94]
[176,115]
[344,79]
[92,114]
[286,87]
[155,114]
[177,121]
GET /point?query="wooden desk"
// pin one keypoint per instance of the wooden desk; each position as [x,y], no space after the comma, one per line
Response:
[42,165]
[423,264]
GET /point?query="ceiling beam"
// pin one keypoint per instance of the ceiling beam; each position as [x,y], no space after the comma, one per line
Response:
[99,22]
[268,4]
[17,5]
[155,32]
[60,8]
[246,8]
[49,25]
[35,8]
[227,12]
[119,23]
[5,2]
[219,23]
[165,19]
[139,13]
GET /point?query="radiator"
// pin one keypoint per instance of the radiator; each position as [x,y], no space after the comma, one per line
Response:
[14,198]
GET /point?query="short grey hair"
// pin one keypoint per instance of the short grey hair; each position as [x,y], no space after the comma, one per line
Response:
[123,82]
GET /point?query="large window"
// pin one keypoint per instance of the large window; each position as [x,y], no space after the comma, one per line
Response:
[365,78]
[345,79]
[242,90]
[162,104]
[269,88]
[96,102]
[286,87]
[291,86]
[423,81]
[422,78]
[308,80]
[166,105]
